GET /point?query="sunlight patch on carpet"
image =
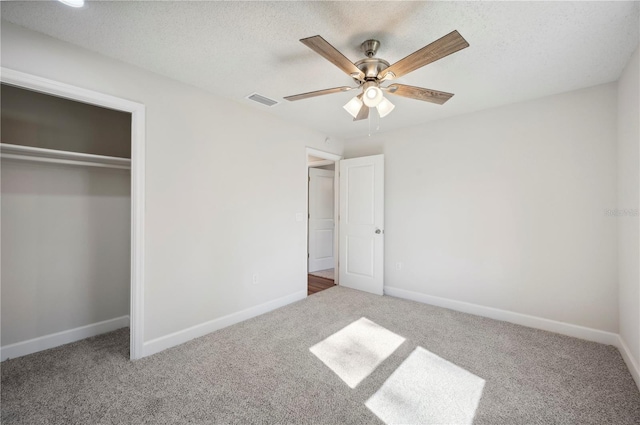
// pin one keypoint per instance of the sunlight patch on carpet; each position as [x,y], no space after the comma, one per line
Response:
[427,389]
[356,350]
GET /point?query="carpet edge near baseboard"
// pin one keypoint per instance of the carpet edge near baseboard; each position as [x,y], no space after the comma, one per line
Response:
[632,364]
[180,337]
[563,328]
[57,339]
[536,322]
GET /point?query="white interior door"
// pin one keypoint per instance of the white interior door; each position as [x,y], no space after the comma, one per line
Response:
[362,223]
[321,221]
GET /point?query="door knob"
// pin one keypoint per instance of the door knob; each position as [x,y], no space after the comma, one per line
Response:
[378,231]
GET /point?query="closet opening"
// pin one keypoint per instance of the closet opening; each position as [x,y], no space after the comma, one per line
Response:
[66,217]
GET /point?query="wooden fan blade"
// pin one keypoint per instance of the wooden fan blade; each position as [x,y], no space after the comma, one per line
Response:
[440,48]
[317,93]
[363,114]
[419,93]
[330,53]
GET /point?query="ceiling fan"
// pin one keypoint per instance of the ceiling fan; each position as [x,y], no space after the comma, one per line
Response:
[371,72]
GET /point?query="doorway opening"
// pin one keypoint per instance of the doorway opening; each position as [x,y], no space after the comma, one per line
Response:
[322,221]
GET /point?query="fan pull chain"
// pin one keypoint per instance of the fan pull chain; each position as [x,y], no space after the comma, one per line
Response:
[377,124]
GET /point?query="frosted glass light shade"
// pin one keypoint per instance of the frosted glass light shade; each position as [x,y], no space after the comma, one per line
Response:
[385,107]
[372,96]
[73,3]
[353,106]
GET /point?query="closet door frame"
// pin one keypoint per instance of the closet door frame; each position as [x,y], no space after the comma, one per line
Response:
[137,111]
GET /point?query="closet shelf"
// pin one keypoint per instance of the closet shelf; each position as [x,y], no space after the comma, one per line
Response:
[28,153]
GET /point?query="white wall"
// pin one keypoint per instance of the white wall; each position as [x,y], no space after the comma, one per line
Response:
[223,184]
[65,247]
[505,208]
[628,205]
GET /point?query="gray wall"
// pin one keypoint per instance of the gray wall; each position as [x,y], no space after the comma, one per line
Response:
[65,247]
[39,120]
[217,209]
[628,205]
[505,208]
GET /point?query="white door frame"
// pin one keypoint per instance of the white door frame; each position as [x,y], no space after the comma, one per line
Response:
[137,110]
[329,157]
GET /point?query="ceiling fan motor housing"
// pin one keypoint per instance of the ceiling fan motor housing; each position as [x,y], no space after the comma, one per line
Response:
[371,67]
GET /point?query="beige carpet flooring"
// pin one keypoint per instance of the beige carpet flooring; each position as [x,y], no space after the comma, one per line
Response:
[337,357]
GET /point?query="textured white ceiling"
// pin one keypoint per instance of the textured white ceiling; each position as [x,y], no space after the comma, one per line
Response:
[519,50]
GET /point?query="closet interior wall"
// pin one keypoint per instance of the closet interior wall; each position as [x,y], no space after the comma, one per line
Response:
[65,225]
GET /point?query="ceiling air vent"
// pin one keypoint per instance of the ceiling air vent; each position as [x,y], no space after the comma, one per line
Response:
[262,99]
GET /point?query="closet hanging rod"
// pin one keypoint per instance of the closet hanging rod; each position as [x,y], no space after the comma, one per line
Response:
[29,153]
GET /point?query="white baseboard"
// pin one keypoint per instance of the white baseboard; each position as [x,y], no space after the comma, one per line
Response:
[633,366]
[159,344]
[23,348]
[563,328]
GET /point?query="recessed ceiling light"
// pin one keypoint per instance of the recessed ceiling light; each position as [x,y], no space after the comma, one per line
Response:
[73,3]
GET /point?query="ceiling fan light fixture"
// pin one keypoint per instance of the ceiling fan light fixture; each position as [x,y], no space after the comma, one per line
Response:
[385,107]
[370,72]
[73,3]
[353,106]
[372,96]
